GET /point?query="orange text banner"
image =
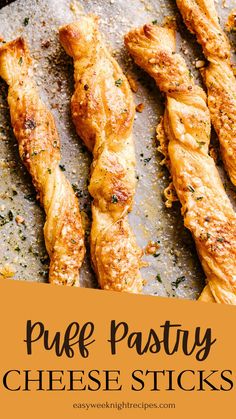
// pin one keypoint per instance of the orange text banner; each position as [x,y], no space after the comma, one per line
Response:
[70,353]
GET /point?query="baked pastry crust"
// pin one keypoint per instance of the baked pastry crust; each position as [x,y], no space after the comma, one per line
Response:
[207,211]
[39,148]
[231,22]
[103,112]
[202,20]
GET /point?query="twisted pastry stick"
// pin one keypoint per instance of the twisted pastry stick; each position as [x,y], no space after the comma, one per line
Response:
[201,19]
[103,113]
[39,148]
[207,211]
[231,22]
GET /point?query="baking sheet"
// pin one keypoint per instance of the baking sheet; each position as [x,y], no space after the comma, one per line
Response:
[23,253]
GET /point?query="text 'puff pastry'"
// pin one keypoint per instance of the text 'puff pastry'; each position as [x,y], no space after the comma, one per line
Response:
[201,19]
[103,113]
[39,148]
[207,211]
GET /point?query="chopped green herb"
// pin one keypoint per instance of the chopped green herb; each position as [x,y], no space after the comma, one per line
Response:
[49,171]
[154,22]
[199,198]
[201,143]
[156,255]
[20,60]
[3,220]
[147,160]
[26,21]
[34,252]
[44,260]
[44,274]
[114,199]
[30,197]
[62,167]
[118,82]
[158,278]
[83,149]
[220,239]
[191,189]
[178,281]
[78,192]
[190,74]
[6,219]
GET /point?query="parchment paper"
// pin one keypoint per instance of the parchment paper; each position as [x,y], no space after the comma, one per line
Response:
[175,269]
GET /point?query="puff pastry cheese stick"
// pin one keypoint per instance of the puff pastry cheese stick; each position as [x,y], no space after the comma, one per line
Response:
[103,112]
[39,148]
[231,22]
[201,19]
[207,211]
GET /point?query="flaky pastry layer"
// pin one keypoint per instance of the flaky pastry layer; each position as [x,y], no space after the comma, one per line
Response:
[201,19]
[103,112]
[39,148]
[207,211]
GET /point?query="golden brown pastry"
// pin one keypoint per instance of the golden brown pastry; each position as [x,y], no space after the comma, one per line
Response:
[39,148]
[201,19]
[207,211]
[231,22]
[103,112]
